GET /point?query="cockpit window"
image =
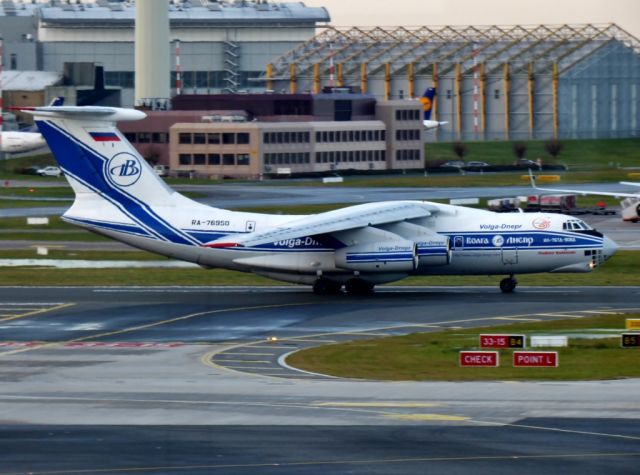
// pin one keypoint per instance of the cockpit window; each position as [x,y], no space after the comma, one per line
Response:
[575,225]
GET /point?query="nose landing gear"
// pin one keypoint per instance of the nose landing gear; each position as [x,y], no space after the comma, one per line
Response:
[508,284]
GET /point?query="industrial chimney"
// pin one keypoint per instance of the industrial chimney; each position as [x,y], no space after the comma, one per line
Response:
[152,54]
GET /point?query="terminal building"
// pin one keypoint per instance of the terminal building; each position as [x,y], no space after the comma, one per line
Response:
[255,135]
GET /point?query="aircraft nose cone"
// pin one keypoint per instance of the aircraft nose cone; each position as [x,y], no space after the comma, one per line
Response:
[609,247]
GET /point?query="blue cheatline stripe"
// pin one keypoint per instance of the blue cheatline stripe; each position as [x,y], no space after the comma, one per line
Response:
[378,257]
[112,226]
[87,166]
[432,252]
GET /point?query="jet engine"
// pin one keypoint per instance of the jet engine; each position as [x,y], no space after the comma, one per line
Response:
[433,251]
[388,256]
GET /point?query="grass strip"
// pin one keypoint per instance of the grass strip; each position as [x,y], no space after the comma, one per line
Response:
[434,356]
[620,270]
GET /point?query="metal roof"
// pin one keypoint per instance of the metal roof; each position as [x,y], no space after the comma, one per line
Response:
[188,13]
[28,80]
[448,46]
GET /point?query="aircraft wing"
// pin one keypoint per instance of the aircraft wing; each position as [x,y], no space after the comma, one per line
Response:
[353,217]
[586,192]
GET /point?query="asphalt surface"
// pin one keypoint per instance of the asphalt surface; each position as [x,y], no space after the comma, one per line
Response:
[192,380]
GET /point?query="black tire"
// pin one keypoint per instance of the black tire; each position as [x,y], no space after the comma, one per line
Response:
[358,287]
[508,285]
[324,286]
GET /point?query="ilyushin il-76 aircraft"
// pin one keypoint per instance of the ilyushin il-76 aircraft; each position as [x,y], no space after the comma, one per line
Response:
[118,195]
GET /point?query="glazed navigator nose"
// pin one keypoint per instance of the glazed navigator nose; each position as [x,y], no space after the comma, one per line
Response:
[609,247]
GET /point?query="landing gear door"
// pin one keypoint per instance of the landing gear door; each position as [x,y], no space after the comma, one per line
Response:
[509,256]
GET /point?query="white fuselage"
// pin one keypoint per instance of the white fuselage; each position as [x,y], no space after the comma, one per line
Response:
[14,142]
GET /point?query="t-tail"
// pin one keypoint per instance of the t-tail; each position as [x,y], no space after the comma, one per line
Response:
[427,100]
[116,190]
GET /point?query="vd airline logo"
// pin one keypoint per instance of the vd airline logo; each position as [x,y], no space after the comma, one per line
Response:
[123,169]
[541,223]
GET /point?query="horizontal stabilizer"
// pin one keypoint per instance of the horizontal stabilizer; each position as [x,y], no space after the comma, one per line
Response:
[111,114]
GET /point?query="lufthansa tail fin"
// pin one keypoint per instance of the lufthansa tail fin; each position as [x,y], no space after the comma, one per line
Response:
[57,102]
[427,102]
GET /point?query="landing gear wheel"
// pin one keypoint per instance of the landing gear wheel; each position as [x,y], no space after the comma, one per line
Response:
[324,286]
[358,287]
[508,285]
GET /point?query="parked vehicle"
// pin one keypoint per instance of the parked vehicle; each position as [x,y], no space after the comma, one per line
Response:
[475,164]
[453,164]
[50,171]
[161,170]
[559,203]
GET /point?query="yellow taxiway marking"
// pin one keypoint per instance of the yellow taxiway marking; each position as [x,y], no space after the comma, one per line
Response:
[378,404]
[426,417]
[152,325]
[36,312]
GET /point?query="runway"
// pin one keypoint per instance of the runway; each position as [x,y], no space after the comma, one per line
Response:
[188,380]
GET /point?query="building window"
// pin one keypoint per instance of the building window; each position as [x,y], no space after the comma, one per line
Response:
[496,93]
[199,138]
[213,159]
[243,159]
[228,159]
[160,137]
[144,137]
[130,136]
[228,138]
[243,138]
[184,159]
[213,138]
[199,159]
[184,138]
[13,61]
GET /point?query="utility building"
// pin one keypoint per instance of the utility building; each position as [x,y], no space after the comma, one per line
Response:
[497,83]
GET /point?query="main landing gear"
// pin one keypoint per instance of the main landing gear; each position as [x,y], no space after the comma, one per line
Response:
[508,284]
[324,286]
[358,287]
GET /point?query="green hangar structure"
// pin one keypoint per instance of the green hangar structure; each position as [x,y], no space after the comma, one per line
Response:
[493,82]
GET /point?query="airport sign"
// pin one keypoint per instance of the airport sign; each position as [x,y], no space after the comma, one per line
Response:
[530,359]
[633,323]
[502,341]
[630,340]
[479,358]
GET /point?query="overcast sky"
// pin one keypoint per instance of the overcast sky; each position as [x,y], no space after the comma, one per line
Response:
[625,13]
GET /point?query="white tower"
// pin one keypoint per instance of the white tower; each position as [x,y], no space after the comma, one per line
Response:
[152,54]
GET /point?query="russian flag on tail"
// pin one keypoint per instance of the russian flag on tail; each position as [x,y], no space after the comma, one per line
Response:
[104,136]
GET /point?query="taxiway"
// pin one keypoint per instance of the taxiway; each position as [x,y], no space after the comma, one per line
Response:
[190,380]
